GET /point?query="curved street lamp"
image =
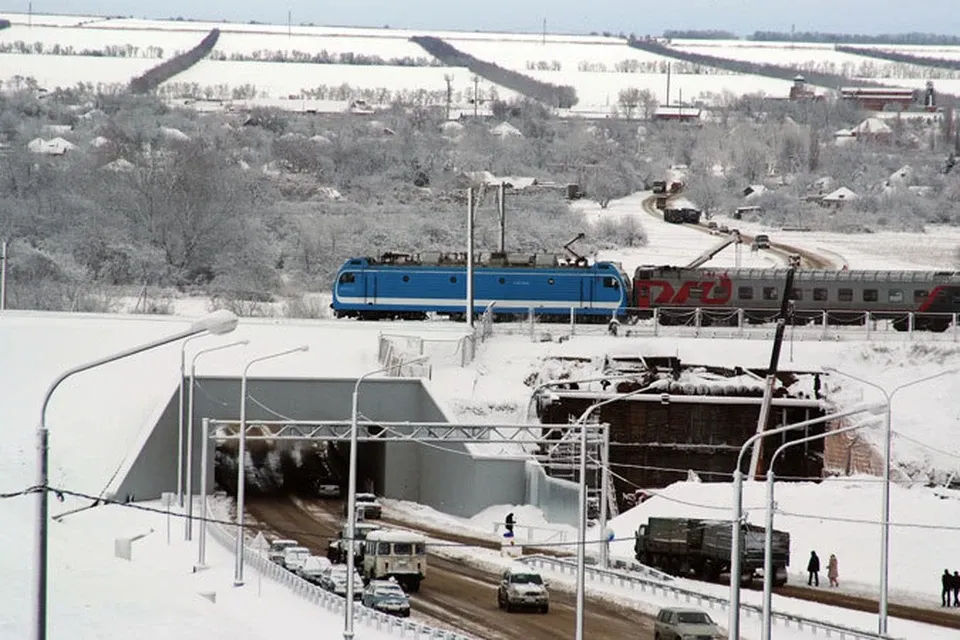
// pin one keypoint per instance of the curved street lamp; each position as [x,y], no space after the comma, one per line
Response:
[217,323]
[582,519]
[767,626]
[188,532]
[242,454]
[733,630]
[887,463]
[352,491]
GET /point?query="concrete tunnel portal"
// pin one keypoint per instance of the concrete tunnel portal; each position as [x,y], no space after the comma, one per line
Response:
[444,477]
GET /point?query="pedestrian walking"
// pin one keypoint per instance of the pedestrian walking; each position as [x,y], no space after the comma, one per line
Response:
[813,569]
[946,587]
[833,571]
[956,589]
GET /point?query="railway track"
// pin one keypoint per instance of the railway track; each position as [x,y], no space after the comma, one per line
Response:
[456,594]
[808,259]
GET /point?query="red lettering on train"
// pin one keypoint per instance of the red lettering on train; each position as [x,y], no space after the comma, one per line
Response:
[654,293]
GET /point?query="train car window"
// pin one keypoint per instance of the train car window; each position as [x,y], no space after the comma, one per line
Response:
[551,281]
[406,278]
[453,278]
[796,294]
[895,295]
[347,278]
[845,295]
[919,295]
[611,283]
[502,281]
[745,293]
[820,294]
[870,295]
[769,293]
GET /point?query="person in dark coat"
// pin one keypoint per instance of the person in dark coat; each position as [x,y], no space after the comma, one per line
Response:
[813,568]
[946,586]
[956,589]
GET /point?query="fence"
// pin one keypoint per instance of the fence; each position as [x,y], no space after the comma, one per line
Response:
[660,588]
[741,323]
[374,620]
[395,350]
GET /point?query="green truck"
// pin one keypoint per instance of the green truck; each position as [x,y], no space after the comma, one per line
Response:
[698,548]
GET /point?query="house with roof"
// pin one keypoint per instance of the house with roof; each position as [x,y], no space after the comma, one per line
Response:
[677,113]
[838,198]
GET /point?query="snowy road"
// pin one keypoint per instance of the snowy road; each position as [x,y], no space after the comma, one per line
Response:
[456,594]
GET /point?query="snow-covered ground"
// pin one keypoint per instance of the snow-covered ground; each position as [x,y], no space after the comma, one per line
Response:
[595,65]
[95,429]
[935,249]
[669,244]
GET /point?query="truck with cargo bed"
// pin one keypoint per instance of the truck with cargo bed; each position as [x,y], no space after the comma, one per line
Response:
[694,547]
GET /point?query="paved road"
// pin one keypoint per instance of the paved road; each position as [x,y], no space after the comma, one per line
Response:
[456,594]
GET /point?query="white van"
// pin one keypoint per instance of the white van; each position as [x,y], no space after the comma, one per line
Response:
[389,553]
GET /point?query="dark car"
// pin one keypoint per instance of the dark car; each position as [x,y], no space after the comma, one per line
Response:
[388,597]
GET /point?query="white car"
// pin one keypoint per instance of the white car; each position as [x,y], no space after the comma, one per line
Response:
[334,579]
[294,557]
[312,569]
[368,505]
[680,624]
[277,547]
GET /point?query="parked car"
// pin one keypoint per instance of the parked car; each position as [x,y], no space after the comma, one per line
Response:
[522,587]
[312,569]
[386,596]
[762,241]
[724,229]
[368,505]
[328,490]
[334,579]
[277,547]
[680,624]
[294,557]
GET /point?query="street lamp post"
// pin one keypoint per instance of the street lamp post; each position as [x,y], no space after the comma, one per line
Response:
[188,531]
[735,540]
[352,494]
[582,519]
[217,323]
[887,464]
[242,454]
[180,401]
[767,626]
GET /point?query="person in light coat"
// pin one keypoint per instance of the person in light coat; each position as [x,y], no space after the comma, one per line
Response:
[833,571]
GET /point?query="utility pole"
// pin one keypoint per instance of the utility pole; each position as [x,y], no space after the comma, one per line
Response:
[668,83]
[544,31]
[289,27]
[29,14]
[448,78]
[471,208]
[3,275]
[502,215]
[476,96]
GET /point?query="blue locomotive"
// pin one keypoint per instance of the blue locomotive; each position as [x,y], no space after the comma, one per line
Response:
[411,286]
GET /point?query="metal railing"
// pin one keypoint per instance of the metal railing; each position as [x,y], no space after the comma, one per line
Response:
[742,323]
[374,620]
[660,588]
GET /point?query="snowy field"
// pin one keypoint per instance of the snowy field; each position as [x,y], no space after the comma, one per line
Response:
[933,250]
[589,63]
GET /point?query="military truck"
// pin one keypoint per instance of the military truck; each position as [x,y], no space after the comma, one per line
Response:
[693,547]
[337,548]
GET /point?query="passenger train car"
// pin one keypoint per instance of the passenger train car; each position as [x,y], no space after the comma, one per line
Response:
[410,286]
[847,295]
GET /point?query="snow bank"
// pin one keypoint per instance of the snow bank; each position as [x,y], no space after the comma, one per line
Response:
[838,516]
